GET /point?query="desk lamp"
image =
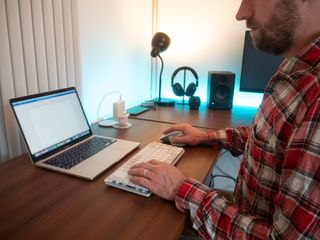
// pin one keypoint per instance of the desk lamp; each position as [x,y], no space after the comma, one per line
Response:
[160,42]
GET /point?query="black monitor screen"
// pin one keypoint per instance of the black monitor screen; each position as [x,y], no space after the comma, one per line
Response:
[257,67]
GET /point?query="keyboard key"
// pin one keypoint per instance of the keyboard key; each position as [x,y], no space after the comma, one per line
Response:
[79,153]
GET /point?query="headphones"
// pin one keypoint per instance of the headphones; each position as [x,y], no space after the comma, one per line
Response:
[178,90]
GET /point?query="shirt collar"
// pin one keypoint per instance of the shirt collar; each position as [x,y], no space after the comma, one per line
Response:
[308,57]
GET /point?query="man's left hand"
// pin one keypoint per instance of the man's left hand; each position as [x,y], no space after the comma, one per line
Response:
[160,178]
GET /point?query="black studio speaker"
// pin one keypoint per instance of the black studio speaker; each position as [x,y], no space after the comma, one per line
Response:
[220,90]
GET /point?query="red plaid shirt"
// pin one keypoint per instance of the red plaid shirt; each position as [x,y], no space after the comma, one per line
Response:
[277,194]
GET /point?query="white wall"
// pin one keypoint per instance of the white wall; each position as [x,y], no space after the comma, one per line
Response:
[114,48]
[115,38]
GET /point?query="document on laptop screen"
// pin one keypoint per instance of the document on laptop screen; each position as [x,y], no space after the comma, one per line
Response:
[51,119]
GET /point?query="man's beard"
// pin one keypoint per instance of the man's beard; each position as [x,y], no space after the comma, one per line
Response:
[277,35]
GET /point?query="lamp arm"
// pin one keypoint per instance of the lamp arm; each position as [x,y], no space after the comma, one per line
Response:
[160,77]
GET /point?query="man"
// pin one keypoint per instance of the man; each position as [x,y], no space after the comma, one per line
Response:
[277,194]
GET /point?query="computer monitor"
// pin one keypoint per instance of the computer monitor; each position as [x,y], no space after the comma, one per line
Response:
[257,67]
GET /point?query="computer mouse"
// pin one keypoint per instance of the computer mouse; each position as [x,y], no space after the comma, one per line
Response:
[166,138]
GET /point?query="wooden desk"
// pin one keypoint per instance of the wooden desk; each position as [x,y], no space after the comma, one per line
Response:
[203,118]
[41,204]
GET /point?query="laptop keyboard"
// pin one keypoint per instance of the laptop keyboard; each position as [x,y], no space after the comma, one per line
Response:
[79,153]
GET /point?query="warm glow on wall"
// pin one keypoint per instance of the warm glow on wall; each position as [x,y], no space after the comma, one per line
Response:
[206,37]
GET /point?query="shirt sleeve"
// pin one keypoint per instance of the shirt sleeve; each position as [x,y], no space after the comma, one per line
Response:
[233,139]
[297,202]
[215,217]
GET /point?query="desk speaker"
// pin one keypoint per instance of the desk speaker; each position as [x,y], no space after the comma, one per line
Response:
[220,90]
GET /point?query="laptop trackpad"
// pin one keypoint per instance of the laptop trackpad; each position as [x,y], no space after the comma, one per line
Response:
[105,158]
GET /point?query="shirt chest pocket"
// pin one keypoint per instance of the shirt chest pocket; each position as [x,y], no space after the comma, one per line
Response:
[262,142]
[261,135]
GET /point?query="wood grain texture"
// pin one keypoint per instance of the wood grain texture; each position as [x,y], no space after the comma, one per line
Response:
[42,204]
[203,118]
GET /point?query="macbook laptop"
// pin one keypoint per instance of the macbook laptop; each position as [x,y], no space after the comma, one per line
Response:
[58,136]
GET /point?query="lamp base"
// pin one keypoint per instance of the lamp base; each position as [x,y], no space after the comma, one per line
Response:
[164,102]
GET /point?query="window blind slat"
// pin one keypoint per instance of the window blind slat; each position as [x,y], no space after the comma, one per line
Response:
[68,39]
[50,44]
[60,47]
[40,47]
[11,135]
[28,46]
[16,52]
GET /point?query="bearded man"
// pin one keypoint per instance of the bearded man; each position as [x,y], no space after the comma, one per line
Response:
[277,195]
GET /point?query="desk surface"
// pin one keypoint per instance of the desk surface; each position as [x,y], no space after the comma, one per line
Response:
[204,117]
[41,204]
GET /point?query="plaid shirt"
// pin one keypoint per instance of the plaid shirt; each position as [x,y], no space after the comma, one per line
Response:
[277,194]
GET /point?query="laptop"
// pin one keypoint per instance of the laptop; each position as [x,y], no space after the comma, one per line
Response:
[59,138]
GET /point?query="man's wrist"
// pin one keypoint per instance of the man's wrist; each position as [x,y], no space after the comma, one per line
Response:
[210,137]
[204,138]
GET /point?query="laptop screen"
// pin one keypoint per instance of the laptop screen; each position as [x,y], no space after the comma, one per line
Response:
[51,121]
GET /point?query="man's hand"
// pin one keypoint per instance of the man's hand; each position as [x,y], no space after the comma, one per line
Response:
[191,135]
[160,178]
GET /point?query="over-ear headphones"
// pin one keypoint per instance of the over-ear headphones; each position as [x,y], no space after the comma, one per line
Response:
[178,89]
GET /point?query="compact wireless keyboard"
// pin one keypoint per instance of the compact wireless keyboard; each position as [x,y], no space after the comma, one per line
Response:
[153,151]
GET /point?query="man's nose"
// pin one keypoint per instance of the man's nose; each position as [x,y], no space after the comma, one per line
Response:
[245,10]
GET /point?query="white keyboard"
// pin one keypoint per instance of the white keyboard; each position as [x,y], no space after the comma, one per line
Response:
[153,151]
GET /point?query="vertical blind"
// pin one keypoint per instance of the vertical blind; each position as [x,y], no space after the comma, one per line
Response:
[39,52]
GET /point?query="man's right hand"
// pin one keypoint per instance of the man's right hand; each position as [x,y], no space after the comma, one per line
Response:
[191,135]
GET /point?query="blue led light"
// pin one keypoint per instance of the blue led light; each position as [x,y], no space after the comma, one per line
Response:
[247,99]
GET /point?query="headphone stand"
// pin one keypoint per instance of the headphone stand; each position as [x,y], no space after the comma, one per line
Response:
[184,85]
[183,102]
[181,90]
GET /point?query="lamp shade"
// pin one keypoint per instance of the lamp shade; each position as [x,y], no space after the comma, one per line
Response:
[160,42]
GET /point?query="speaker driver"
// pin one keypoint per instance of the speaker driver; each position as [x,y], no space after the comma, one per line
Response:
[223,79]
[222,93]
